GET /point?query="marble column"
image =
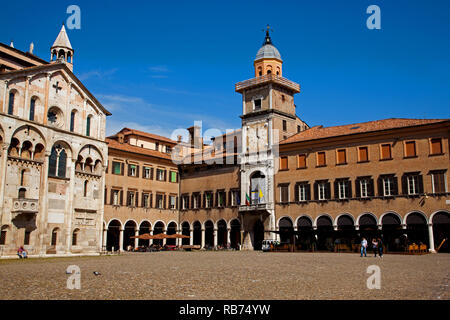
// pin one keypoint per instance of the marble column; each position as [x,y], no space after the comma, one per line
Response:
[121,240]
[105,234]
[215,237]
[431,238]
[191,240]
[136,240]
[203,238]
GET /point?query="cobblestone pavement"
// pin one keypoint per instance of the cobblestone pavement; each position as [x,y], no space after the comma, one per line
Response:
[228,275]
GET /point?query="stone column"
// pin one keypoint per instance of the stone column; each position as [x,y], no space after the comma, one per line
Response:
[136,240]
[178,240]
[215,237]
[43,204]
[101,202]
[121,240]
[3,169]
[47,93]
[26,115]
[5,94]
[164,241]
[70,203]
[228,236]
[105,234]
[191,240]
[431,238]
[203,238]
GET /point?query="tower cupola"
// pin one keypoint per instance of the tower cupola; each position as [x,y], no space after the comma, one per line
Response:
[61,49]
[268,59]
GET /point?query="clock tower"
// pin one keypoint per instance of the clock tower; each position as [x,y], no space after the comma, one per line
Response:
[268,116]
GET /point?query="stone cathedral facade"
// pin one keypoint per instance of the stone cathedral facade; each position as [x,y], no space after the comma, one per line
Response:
[53,155]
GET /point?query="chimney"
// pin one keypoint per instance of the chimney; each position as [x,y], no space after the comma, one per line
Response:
[179,137]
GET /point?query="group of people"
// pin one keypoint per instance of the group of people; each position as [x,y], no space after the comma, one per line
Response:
[377,247]
[22,253]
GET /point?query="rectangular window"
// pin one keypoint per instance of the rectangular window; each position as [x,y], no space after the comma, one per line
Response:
[342,189]
[132,170]
[257,103]
[301,161]
[168,150]
[235,198]
[322,188]
[3,238]
[32,107]
[208,199]
[341,156]
[160,174]
[436,146]
[413,184]
[221,199]
[438,181]
[410,149]
[302,192]
[284,125]
[145,200]
[147,172]
[283,163]
[117,167]
[173,202]
[388,186]
[195,201]
[185,202]
[173,176]
[321,160]
[26,240]
[364,188]
[115,197]
[284,193]
[363,154]
[131,199]
[386,152]
[160,201]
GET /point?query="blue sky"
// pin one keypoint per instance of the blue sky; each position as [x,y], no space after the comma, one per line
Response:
[161,65]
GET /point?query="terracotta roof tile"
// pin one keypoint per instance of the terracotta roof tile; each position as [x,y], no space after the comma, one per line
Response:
[319,132]
[113,144]
[128,131]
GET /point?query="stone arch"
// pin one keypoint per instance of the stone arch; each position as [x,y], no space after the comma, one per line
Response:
[209,233]
[129,231]
[235,233]
[441,230]
[144,228]
[158,227]
[415,213]
[370,214]
[186,231]
[344,217]
[305,233]
[325,232]
[30,133]
[222,233]
[171,229]
[197,232]
[113,234]
[286,229]
[75,236]
[417,228]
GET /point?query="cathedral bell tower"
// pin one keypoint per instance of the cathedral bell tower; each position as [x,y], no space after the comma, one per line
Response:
[61,50]
[268,116]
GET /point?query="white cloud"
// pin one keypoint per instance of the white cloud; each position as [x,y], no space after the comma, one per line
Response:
[96,73]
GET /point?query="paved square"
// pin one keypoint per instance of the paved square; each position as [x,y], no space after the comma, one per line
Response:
[228,275]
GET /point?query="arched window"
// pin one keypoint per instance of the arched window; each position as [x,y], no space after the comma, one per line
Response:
[257,188]
[85,188]
[32,107]
[72,121]
[88,126]
[75,237]
[52,162]
[22,177]
[57,162]
[54,236]
[22,192]
[11,103]
[269,71]
[62,164]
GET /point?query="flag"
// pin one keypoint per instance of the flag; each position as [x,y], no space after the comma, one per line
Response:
[247,199]
[261,194]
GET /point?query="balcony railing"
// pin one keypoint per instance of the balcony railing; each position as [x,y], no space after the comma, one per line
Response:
[25,205]
[254,207]
[267,78]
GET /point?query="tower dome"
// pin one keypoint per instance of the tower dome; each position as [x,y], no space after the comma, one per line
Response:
[268,59]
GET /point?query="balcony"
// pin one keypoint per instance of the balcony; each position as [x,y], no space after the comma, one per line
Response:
[23,205]
[254,207]
[240,86]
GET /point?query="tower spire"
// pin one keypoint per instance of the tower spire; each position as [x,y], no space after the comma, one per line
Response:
[268,40]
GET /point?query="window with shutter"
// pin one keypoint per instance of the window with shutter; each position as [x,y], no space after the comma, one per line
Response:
[386,152]
[363,154]
[410,149]
[301,161]
[438,181]
[341,156]
[283,163]
[436,146]
[321,161]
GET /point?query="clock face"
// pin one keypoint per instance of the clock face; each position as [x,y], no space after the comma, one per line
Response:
[257,135]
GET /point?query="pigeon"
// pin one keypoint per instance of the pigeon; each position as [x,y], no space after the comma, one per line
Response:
[97,273]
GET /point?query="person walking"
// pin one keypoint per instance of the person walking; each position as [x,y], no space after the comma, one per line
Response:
[364,247]
[380,248]
[375,246]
